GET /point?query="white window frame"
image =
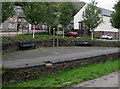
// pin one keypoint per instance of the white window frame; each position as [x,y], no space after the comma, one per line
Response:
[11,25]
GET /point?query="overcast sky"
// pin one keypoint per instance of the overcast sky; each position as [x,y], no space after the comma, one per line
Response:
[107,4]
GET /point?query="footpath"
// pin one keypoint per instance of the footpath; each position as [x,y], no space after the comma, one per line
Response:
[110,80]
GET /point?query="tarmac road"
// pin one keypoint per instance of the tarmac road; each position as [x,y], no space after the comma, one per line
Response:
[38,56]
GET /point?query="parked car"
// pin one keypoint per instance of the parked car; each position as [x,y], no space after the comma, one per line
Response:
[38,27]
[73,34]
[107,37]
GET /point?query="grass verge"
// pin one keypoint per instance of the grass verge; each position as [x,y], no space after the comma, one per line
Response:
[71,76]
[36,36]
[19,38]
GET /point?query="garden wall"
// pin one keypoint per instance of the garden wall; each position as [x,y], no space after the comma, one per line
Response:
[15,75]
[9,47]
[105,44]
[14,46]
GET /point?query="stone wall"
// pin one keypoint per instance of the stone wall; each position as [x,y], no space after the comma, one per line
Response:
[9,47]
[15,75]
[105,44]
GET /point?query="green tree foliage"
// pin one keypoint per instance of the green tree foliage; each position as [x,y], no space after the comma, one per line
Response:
[52,9]
[49,12]
[7,10]
[52,15]
[67,12]
[92,17]
[35,12]
[115,20]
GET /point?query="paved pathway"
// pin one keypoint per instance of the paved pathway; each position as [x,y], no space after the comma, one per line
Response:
[9,33]
[110,80]
[38,56]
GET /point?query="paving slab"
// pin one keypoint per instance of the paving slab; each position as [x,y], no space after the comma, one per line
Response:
[53,54]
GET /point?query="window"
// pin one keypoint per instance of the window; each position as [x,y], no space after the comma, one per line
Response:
[11,25]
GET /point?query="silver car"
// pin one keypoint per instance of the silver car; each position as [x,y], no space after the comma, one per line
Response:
[107,37]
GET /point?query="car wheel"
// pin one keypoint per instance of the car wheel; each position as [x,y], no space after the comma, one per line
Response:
[107,38]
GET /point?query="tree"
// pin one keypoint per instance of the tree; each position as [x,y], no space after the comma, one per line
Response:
[92,17]
[35,12]
[7,10]
[51,18]
[67,12]
[115,20]
[52,9]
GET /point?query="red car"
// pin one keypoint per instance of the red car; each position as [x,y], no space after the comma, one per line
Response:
[38,27]
[73,34]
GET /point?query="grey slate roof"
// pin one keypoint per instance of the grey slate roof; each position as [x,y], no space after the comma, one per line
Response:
[106,12]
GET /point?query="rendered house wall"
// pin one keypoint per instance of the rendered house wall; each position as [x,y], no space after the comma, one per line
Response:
[104,28]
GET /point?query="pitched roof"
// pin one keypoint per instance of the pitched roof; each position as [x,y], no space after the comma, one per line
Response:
[106,12]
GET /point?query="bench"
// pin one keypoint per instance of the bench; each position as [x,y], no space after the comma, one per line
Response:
[27,44]
[84,43]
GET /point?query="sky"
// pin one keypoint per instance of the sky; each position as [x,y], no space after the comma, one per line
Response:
[107,4]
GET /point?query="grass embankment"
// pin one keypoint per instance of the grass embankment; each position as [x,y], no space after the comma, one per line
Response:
[36,36]
[19,38]
[72,76]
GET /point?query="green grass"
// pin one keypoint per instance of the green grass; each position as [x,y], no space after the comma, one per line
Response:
[51,36]
[35,36]
[72,76]
[19,38]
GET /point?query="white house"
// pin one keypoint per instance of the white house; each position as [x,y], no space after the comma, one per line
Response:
[104,28]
